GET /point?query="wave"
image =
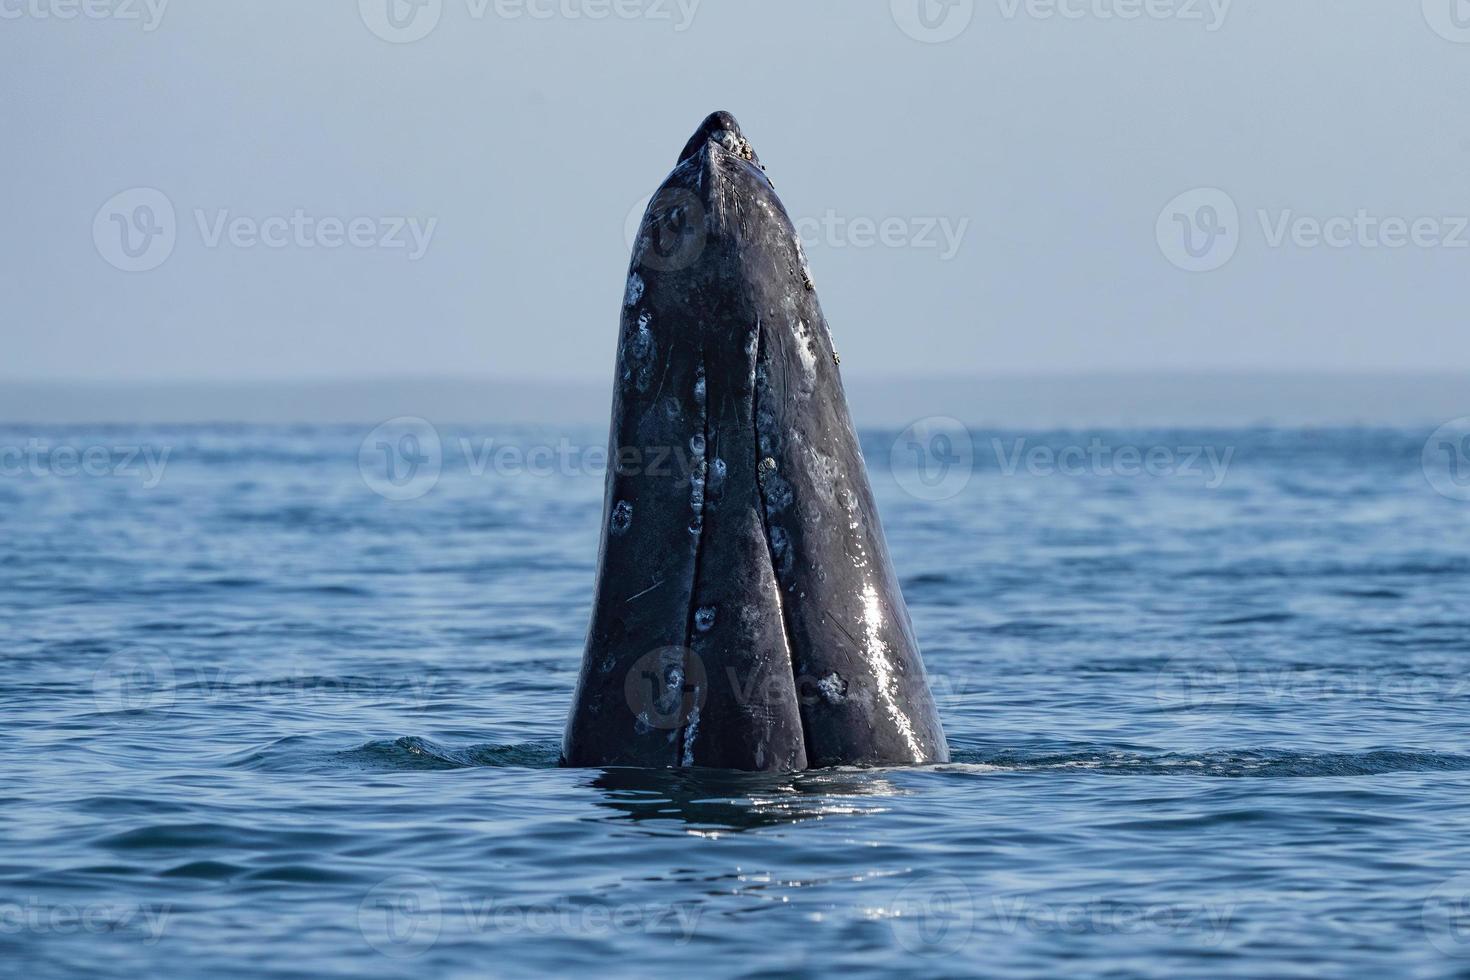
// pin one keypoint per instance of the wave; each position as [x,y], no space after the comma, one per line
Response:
[1257,763]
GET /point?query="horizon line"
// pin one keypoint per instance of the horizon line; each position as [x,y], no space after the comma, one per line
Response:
[867,377]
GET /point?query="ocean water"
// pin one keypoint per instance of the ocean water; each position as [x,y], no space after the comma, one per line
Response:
[1206,694]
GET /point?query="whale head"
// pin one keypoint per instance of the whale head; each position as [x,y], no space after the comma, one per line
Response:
[719,129]
[746,614]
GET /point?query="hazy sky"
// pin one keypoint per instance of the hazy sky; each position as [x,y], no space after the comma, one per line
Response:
[996,202]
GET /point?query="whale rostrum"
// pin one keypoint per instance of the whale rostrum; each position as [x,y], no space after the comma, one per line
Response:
[746,614]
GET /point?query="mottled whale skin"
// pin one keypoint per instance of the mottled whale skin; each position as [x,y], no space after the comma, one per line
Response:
[746,614]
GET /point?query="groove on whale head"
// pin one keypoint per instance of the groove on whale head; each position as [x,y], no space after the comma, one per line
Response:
[746,614]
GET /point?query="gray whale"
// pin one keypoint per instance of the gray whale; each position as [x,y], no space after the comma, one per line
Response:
[746,613]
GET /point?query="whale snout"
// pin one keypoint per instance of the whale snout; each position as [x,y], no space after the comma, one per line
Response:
[746,615]
[722,129]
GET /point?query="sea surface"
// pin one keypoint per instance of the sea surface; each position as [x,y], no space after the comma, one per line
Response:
[286,702]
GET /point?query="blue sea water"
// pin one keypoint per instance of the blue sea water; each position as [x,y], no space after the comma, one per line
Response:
[1208,717]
